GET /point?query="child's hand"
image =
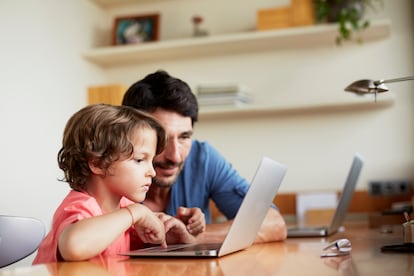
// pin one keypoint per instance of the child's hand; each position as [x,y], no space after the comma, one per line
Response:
[193,218]
[149,227]
[175,229]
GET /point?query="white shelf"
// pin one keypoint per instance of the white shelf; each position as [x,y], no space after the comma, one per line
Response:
[116,3]
[384,100]
[322,34]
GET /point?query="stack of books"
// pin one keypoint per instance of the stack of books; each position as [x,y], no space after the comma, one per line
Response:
[222,94]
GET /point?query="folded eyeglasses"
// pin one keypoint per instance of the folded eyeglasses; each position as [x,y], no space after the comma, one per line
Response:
[339,247]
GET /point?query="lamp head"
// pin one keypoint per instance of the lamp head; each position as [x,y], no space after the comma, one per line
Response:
[361,87]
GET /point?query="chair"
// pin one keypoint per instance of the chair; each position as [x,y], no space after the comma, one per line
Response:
[19,237]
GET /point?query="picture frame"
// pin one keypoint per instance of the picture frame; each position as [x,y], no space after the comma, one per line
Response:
[135,29]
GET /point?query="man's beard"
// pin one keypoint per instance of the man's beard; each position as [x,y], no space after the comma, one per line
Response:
[167,184]
[163,184]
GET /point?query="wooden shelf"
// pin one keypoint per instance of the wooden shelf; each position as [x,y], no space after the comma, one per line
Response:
[322,34]
[349,103]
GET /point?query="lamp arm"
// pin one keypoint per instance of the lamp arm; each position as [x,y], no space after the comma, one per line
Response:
[378,82]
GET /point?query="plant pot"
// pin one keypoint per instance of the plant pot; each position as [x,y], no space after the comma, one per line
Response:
[336,7]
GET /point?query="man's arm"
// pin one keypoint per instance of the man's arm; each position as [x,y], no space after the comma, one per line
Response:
[273,229]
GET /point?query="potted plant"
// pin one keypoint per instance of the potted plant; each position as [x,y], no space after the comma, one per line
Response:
[349,14]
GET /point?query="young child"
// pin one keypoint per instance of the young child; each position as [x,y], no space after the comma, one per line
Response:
[106,158]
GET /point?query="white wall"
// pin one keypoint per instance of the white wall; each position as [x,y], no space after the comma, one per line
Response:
[44,81]
[317,147]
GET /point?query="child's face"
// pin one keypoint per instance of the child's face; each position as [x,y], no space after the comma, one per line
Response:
[132,177]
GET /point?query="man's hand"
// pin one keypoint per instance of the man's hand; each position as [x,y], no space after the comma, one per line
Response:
[193,218]
[175,230]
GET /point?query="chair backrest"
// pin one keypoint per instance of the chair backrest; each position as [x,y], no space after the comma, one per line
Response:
[19,237]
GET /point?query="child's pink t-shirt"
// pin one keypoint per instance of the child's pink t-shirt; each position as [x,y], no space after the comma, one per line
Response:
[77,206]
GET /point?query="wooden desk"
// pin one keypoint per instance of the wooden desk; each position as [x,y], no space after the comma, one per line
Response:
[292,257]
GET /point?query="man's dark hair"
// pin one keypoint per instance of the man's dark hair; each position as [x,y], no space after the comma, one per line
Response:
[160,90]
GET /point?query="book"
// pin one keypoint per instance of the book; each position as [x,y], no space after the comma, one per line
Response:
[219,88]
[224,99]
[222,94]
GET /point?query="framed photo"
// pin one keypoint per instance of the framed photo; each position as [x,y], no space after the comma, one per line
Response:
[135,29]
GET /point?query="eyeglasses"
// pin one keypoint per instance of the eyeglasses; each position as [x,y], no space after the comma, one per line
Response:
[339,247]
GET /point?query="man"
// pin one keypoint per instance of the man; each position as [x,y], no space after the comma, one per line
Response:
[188,172]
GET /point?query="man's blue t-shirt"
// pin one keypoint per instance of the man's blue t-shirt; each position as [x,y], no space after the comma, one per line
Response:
[206,174]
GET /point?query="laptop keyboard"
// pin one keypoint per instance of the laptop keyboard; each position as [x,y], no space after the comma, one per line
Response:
[182,247]
[169,248]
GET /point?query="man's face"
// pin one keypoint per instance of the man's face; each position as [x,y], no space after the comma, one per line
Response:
[169,163]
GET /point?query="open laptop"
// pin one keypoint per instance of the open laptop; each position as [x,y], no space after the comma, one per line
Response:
[341,209]
[246,224]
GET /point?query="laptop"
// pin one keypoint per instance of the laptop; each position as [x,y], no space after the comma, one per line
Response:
[246,224]
[341,209]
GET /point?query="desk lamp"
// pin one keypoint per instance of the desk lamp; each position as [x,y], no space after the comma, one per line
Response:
[361,87]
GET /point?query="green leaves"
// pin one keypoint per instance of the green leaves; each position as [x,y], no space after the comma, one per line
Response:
[347,13]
